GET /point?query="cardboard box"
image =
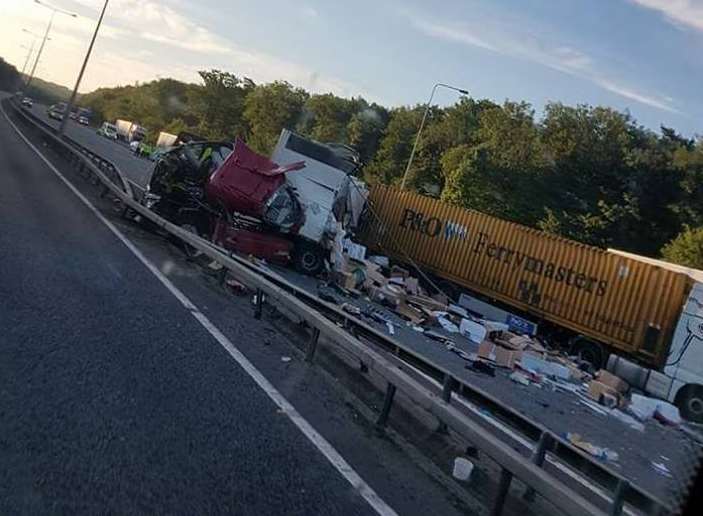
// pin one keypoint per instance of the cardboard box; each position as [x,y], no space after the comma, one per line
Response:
[507,357]
[346,279]
[613,381]
[502,357]
[603,393]
[374,278]
[412,314]
[487,350]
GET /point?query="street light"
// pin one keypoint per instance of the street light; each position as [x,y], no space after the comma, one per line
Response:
[69,107]
[30,49]
[54,10]
[422,124]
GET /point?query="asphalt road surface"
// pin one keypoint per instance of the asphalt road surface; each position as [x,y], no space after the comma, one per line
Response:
[136,169]
[113,398]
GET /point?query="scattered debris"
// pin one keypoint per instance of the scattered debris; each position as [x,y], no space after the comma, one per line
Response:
[642,407]
[438,336]
[236,286]
[327,293]
[390,327]
[462,469]
[628,420]
[540,365]
[661,469]
[667,413]
[351,309]
[520,378]
[446,324]
[381,261]
[482,367]
[286,359]
[475,331]
[594,407]
[596,451]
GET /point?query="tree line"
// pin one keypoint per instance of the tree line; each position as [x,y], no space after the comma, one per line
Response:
[589,173]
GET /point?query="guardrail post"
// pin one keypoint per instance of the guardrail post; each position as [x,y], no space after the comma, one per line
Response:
[387,403]
[538,454]
[447,388]
[619,498]
[506,477]
[258,303]
[312,344]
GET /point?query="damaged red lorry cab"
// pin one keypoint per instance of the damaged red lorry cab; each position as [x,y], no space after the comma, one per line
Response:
[250,184]
[253,185]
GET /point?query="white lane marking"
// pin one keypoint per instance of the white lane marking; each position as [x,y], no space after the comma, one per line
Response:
[330,453]
[527,444]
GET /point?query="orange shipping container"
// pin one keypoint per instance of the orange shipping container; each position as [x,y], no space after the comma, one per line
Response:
[625,303]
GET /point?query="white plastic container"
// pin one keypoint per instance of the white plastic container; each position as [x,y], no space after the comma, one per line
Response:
[462,469]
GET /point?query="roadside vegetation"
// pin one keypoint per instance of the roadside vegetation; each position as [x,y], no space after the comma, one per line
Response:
[589,173]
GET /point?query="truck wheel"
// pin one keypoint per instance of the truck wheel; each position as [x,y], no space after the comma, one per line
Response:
[308,259]
[689,400]
[590,351]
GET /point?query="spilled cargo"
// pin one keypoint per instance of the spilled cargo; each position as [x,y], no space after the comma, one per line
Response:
[622,302]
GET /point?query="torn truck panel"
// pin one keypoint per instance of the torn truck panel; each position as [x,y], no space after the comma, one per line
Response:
[319,186]
[252,184]
[271,247]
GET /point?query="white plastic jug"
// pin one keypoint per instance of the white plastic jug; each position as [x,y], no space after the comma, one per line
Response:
[462,468]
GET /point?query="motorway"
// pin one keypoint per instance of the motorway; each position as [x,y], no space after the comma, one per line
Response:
[114,398]
[136,169]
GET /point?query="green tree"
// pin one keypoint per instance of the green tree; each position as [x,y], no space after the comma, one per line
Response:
[268,109]
[391,159]
[9,76]
[501,170]
[686,249]
[218,105]
[325,118]
[365,129]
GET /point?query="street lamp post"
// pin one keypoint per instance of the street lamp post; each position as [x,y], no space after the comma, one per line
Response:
[30,49]
[422,124]
[69,108]
[54,10]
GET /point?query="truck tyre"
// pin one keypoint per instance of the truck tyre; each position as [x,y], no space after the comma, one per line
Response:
[689,400]
[590,351]
[308,258]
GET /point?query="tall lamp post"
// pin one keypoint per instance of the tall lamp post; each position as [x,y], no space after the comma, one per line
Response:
[30,49]
[422,124]
[69,108]
[54,10]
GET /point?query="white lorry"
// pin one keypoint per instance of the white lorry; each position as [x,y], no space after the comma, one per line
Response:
[333,199]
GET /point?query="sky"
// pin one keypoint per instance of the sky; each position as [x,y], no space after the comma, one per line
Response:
[643,56]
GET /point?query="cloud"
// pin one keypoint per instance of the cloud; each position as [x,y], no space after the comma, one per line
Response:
[524,45]
[142,39]
[309,12]
[682,13]
[457,35]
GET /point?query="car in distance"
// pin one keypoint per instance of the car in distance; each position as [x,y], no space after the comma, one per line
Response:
[108,130]
[27,102]
[83,120]
[55,113]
